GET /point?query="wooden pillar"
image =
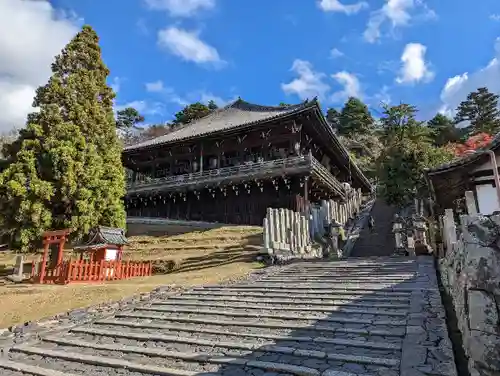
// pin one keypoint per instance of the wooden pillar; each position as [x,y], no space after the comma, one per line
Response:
[306,194]
[44,259]
[62,241]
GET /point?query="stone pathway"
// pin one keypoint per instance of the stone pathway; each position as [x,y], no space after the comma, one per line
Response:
[380,317]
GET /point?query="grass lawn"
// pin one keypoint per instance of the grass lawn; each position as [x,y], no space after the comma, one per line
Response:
[201,257]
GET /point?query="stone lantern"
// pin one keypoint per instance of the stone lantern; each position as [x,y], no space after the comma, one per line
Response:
[399,231]
[420,228]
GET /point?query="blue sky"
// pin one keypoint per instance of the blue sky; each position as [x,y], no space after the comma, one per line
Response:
[165,53]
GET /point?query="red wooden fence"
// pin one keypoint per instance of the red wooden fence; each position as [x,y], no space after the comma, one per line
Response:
[86,271]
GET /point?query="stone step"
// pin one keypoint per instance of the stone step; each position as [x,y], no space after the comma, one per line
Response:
[259,287]
[223,344]
[408,287]
[278,308]
[339,279]
[275,324]
[29,369]
[223,364]
[290,300]
[303,294]
[361,262]
[303,335]
[356,270]
[345,273]
[71,359]
[340,317]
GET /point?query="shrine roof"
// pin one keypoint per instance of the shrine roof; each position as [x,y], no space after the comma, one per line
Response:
[232,116]
[479,156]
[101,236]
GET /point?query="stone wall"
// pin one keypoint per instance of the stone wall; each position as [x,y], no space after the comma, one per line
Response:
[470,273]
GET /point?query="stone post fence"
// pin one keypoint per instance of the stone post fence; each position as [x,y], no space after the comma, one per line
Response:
[290,235]
[469,264]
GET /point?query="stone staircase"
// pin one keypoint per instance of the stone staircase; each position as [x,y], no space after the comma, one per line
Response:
[381,241]
[357,317]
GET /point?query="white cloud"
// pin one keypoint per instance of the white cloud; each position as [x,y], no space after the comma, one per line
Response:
[308,84]
[398,13]
[414,67]
[188,46]
[155,87]
[31,34]
[383,96]
[458,87]
[205,97]
[337,6]
[116,84]
[181,8]
[144,107]
[335,53]
[351,87]
[495,17]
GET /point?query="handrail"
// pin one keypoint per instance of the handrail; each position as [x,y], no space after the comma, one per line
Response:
[249,168]
[227,171]
[327,175]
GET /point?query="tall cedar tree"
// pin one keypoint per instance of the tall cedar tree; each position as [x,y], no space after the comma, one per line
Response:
[481,110]
[65,167]
[355,118]
[444,130]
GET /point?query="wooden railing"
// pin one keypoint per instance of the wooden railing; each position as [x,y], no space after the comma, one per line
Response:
[86,271]
[305,163]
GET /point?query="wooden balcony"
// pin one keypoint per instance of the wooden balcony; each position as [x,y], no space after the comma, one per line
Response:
[306,165]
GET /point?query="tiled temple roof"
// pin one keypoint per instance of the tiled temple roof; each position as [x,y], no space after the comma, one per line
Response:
[232,116]
[101,236]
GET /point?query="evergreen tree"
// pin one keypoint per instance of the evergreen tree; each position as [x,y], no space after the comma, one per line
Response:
[481,110]
[355,118]
[333,117]
[65,167]
[212,106]
[126,122]
[408,152]
[128,118]
[444,130]
[191,112]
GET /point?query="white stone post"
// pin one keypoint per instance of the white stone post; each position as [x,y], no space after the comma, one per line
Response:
[267,242]
[470,202]
[411,245]
[282,227]
[450,229]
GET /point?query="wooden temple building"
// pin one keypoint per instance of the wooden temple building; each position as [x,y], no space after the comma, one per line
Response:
[233,164]
[472,172]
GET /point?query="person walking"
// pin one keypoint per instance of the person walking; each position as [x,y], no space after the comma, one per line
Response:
[371,223]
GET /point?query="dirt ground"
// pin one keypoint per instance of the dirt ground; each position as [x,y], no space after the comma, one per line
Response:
[201,257]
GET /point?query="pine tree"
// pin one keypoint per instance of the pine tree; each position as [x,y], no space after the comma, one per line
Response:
[481,110]
[191,112]
[212,106]
[65,167]
[355,118]
[444,130]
